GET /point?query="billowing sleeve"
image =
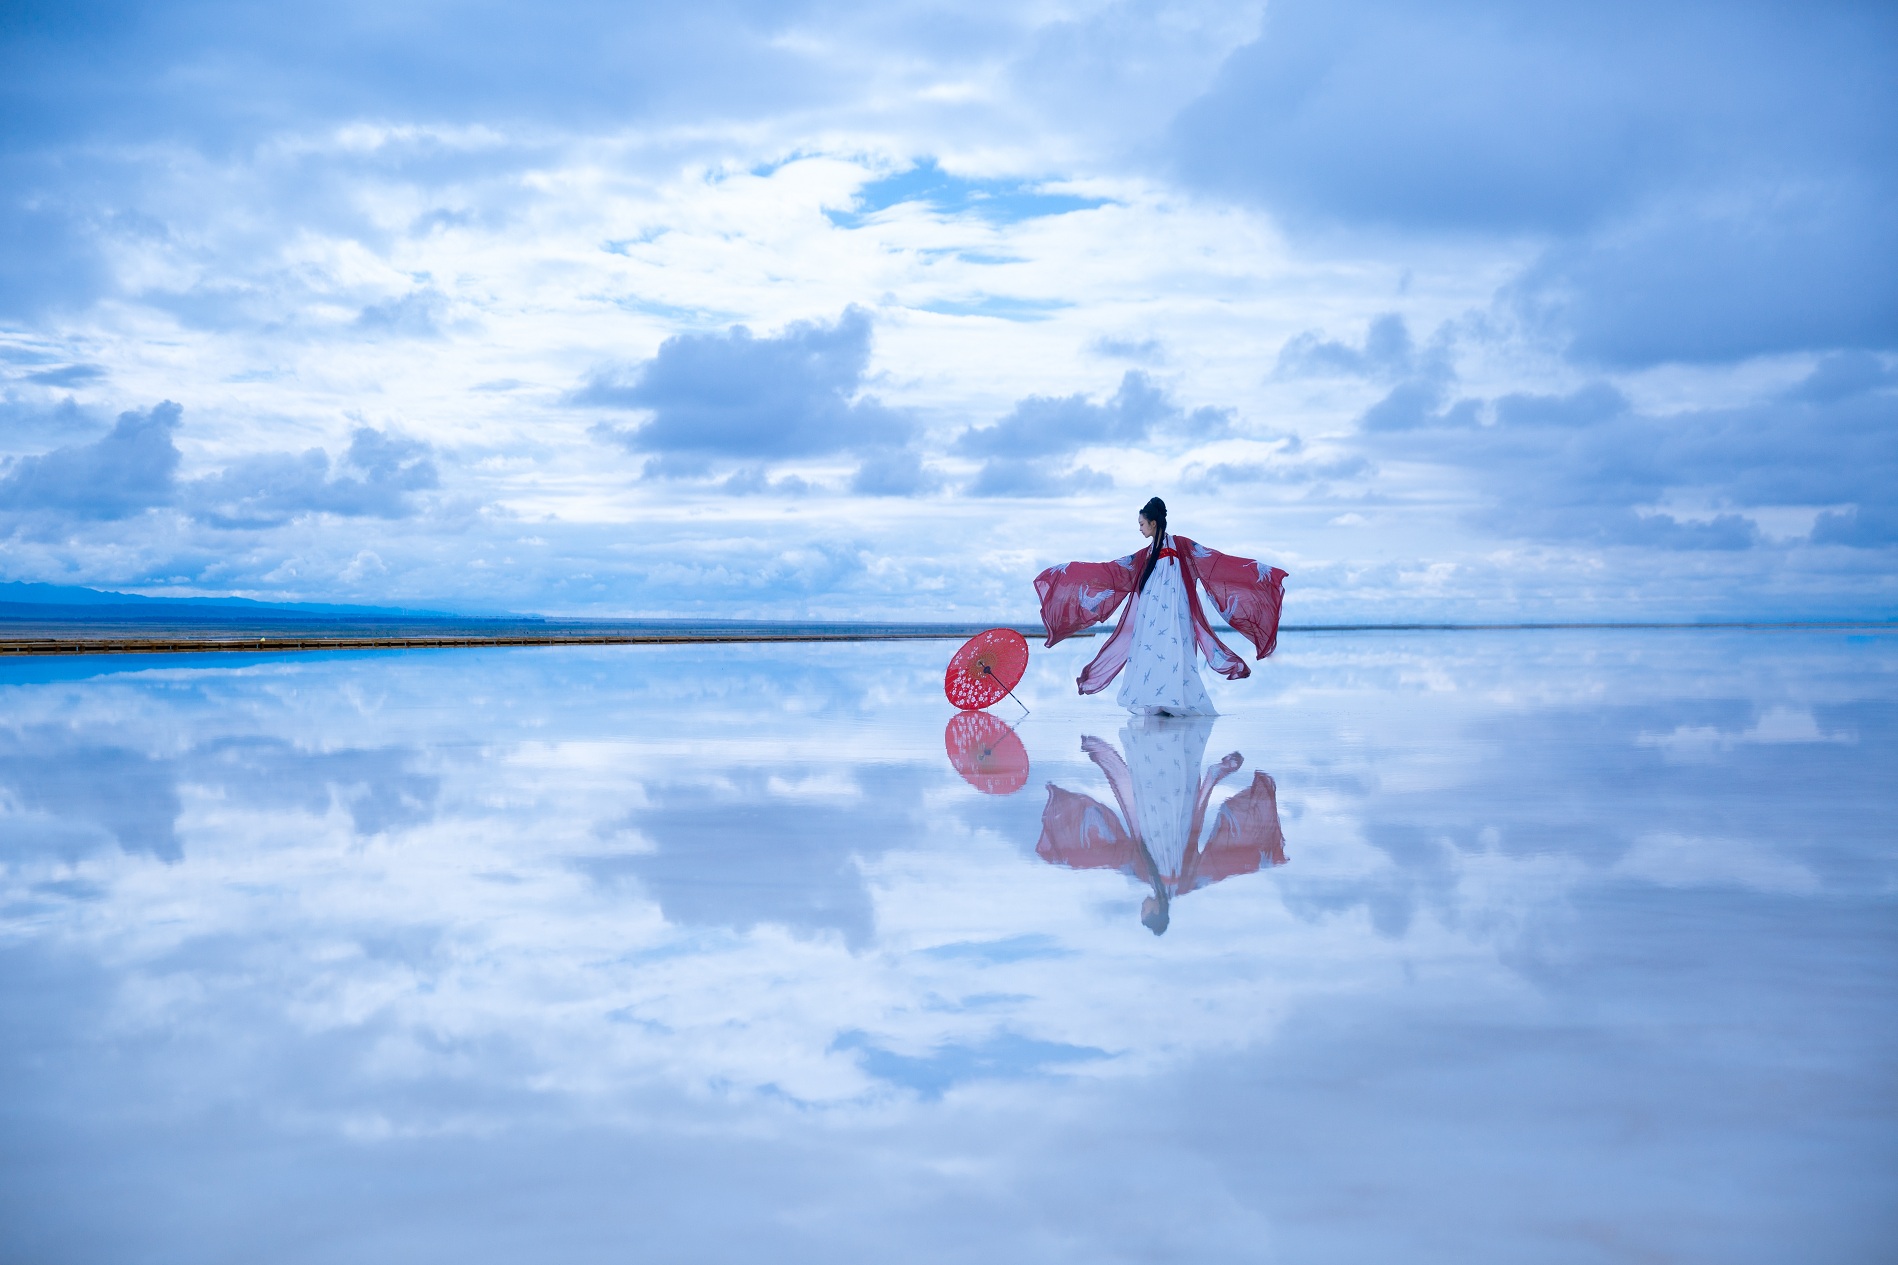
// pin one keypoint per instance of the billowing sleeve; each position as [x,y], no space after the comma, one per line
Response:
[1082,833]
[1077,595]
[1246,834]
[1247,593]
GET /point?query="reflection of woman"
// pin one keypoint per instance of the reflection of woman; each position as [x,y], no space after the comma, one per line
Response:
[1163,798]
[1163,625]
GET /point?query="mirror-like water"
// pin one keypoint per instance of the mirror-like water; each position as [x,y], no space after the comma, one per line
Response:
[1435,947]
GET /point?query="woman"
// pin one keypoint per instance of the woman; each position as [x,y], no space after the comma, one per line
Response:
[1163,625]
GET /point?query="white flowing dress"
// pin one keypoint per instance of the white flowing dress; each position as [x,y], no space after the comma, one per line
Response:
[1162,672]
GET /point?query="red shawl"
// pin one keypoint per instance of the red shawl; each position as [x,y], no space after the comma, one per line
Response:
[1076,595]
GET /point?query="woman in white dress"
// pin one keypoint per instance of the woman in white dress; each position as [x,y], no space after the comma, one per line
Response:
[1162,675]
[1163,628]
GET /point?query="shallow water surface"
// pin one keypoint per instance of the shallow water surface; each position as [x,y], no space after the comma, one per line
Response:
[1560,946]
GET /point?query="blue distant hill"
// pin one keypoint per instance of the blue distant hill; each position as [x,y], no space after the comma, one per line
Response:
[55,612]
[29,599]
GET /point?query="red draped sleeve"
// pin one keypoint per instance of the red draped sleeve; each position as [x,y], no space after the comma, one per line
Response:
[1249,594]
[1082,833]
[1246,836]
[1077,595]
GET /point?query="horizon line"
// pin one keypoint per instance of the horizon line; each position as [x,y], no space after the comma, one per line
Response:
[216,642]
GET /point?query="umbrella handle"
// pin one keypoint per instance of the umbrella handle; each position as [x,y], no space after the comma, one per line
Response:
[988,671]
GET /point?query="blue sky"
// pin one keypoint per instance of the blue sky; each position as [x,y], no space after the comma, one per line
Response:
[1460,310]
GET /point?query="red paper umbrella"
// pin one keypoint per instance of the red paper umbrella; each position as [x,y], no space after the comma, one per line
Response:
[989,665]
[986,753]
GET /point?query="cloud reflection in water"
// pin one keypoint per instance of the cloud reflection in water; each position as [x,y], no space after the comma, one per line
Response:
[357,942]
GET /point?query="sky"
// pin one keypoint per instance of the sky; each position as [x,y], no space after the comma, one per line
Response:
[818,310]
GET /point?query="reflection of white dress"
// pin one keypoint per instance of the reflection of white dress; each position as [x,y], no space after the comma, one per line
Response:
[1161,672]
[1163,757]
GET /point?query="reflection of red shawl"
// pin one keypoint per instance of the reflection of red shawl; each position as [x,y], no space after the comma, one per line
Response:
[1245,837]
[1081,833]
[1075,595]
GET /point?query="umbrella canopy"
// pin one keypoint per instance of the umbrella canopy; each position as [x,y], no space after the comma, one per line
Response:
[988,666]
[986,753]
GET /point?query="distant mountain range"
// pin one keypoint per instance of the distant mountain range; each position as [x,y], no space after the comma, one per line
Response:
[29,600]
[65,612]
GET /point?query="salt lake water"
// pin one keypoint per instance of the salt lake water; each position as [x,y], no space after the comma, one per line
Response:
[1540,946]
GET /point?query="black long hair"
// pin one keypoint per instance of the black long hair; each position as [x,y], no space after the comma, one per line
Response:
[1154,511]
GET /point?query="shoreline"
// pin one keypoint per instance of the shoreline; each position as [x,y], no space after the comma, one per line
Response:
[271,645]
[71,641]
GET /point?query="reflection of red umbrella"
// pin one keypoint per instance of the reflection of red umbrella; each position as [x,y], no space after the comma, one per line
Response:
[989,665]
[986,752]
